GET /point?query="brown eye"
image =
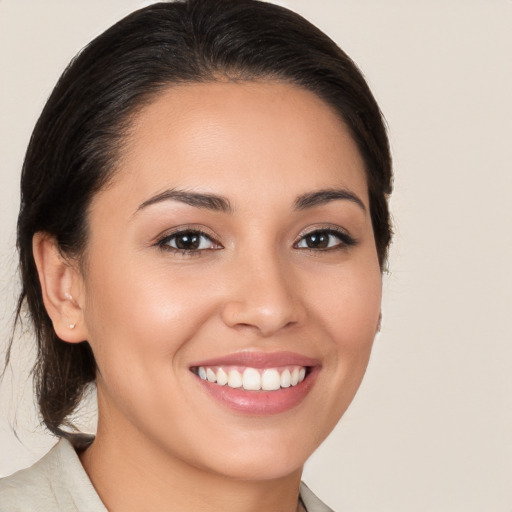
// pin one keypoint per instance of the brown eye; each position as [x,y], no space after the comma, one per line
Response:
[318,240]
[188,240]
[325,239]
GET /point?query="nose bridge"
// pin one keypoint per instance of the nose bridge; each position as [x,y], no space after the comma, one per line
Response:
[263,293]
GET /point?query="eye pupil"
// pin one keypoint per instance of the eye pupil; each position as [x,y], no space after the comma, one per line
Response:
[188,241]
[317,240]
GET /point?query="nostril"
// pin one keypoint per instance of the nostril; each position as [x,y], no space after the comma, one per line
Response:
[264,316]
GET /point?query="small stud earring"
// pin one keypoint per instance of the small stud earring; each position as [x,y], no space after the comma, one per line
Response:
[71,326]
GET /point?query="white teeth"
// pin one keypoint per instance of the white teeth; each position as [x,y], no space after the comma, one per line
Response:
[222,377]
[270,380]
[234,379]
[252,379]
[286,379]
[295,377]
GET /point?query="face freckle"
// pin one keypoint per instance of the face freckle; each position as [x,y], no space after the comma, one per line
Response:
[202,256]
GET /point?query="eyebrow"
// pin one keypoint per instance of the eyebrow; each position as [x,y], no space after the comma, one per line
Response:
[222,204]
[320,197]
[198,200]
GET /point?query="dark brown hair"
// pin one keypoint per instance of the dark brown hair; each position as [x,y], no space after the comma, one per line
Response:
[80,132]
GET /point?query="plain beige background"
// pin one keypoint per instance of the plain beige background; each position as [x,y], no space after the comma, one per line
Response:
[431,428]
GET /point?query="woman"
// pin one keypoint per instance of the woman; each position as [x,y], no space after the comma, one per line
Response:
[202,232]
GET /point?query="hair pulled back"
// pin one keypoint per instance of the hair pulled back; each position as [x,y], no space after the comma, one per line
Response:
[79,135]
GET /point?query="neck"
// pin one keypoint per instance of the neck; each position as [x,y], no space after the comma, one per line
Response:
[131,474]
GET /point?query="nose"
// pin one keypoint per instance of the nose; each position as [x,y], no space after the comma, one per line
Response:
[264,297]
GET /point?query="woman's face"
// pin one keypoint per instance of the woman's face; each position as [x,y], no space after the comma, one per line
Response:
[234,244]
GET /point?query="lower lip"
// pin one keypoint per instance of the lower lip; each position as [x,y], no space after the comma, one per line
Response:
[261,403]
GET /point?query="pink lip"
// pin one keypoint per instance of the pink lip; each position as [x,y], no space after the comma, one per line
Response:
[260,403]
[260,360]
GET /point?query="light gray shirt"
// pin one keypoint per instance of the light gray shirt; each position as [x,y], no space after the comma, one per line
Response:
[59,483]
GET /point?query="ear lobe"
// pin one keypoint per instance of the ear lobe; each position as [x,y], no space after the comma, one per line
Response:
[61,287]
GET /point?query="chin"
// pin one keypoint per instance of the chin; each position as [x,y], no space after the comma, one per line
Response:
[255,467]
[270,454]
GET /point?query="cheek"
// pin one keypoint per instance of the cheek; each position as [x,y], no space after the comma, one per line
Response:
[359,317]
[349,303]
[141,321]
[139,316]
[348,306]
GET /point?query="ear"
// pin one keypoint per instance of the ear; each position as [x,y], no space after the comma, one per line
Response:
[61,287]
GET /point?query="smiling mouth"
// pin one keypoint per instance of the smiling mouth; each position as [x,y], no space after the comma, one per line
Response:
[257,383]
[253,379]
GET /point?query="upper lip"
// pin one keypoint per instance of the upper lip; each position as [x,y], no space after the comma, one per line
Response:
[259,360]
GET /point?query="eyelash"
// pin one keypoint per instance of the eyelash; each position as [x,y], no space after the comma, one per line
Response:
[345,241]
[164,242]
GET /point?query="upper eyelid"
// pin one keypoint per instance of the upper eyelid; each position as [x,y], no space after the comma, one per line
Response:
[163,243]
[322,227]
[187,228]
[204,231]
[345,238]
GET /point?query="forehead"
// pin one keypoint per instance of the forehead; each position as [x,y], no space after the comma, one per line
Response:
[239,138]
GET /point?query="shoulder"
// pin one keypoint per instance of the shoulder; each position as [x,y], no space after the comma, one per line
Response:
[310,500]
[29,489]
[57,482]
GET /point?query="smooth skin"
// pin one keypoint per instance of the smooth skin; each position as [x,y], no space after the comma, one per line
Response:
[255,280]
